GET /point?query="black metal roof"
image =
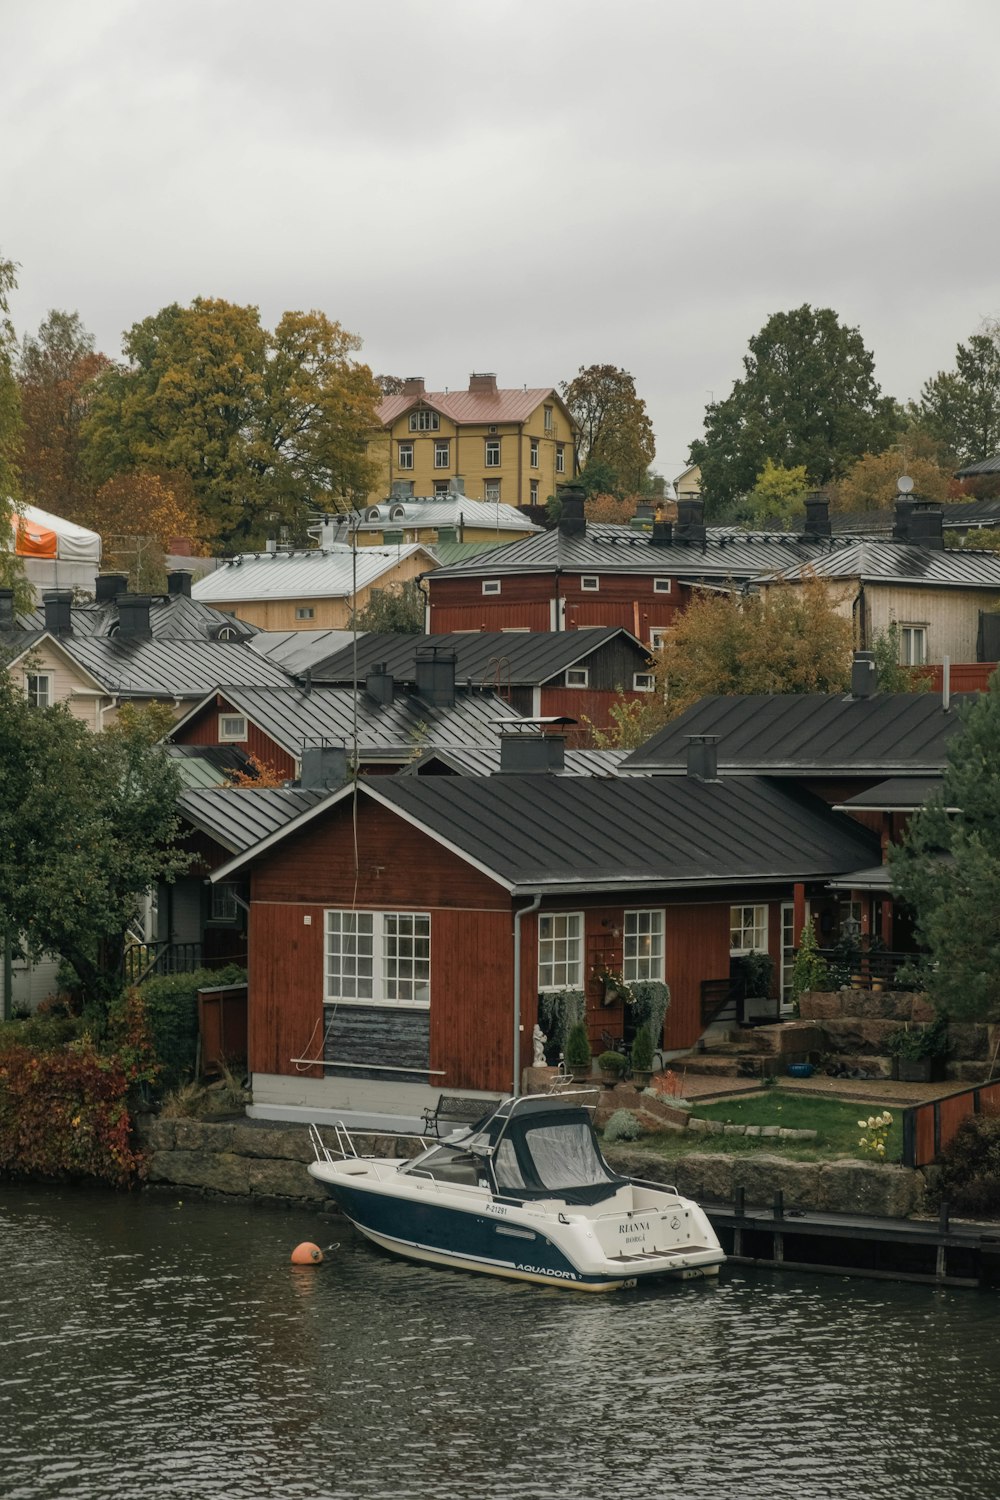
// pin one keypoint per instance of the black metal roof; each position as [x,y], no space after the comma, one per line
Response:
[171,617]
[299,650]
[520,658]
[573,834]
[484,760]
[900,562]
[984,466]
[810,734]
[166,668]
[239,817]
[618,549]
[896,794]
[292,716]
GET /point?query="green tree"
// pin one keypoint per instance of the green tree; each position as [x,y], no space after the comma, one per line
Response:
[808,397]
[87,825]
[56,372]
[947,870]
[614,428]
[960,408]
[268,426]
[778,494]
[11,572]
[398,610]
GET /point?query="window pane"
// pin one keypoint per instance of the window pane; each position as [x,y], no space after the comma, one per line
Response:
[643,945]
[406,957]
[349,955]
[560,951]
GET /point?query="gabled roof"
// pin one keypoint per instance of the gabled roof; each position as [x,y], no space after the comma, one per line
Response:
[899,562]
[984,466]
[518,658]
[620,549]
[810,734]
[171,617]
[579,833]
[328,573]
[472,406]
[239,817]
[432,511]
[484,760]
[168,668]
[299,650]
[291,716]
[207,765]
[896,794]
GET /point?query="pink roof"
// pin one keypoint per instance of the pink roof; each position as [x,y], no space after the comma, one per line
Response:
[466,406]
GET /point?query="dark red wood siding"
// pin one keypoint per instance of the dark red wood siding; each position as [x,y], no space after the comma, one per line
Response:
[203,729]
[628,600]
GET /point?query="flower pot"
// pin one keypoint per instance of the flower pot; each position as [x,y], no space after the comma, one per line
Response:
[917,1069]
[641,1077]
[610,1079]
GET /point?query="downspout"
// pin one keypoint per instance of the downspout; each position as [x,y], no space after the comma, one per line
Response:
[525,911]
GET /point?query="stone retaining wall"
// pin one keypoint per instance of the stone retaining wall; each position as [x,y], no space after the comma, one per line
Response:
[857,1022]
[251,1159]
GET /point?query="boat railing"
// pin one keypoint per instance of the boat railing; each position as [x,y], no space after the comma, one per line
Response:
[345,1149]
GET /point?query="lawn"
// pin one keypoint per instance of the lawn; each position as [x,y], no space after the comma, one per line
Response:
[834,1120]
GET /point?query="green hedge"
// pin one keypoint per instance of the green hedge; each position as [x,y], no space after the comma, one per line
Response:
[172,1011]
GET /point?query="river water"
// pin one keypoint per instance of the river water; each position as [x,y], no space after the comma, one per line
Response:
[158,1347]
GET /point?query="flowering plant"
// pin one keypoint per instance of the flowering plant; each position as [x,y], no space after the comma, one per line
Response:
[616,986]
[876,1129]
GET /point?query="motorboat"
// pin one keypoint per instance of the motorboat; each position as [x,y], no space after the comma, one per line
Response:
[524,1193]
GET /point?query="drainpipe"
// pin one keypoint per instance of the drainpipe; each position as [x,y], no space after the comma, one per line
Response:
[525,911]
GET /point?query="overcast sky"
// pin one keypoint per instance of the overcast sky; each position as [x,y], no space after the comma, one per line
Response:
[523,186]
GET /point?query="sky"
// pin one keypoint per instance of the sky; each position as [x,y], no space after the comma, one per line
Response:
[519,186]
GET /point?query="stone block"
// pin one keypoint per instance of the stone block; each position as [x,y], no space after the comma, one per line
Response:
[706,1179]
[697,1124]
[657,1108]
[282,1179]
[969,1041]
[752,1130]
[921,1009]
[714,1127]
[735,1130]
[155,1133]
[770,1130]
[219,1173]
[277,1142]
[203,1135]
[820,1005]
[763,1176]
[877,1188]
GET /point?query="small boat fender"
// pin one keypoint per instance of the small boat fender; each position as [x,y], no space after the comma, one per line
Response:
[307,1254]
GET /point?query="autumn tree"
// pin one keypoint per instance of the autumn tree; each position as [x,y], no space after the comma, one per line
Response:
[56,372]
[268,426]
[808,397]
[778,495]
[138,513]
[395,610]
[390,385]
[961,407]
[870,484]
[11,571]
[613,427]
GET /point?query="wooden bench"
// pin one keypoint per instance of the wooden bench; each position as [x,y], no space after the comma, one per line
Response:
[456,1108]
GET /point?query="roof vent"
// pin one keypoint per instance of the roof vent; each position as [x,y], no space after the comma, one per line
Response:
[703,757]
[532,753]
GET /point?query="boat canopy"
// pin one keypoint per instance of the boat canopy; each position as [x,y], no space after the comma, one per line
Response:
[543,1147]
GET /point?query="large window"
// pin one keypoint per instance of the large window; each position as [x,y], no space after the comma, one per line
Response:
[534,453]
[38,686]
[560,459]
[424,421]
[442,453]
[747,929]
[912,645]
[405,455]
[492,453]
[560,951]
[378,958]
[643,945]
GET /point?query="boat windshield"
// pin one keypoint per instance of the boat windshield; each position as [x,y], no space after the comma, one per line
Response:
[554,1157]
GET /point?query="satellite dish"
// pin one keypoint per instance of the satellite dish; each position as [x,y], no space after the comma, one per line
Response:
[904,484]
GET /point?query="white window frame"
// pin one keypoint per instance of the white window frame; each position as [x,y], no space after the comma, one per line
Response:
[547,418]
[404,455]
[643,682]
[384,954]
[560,459]
[492,453]
[590,583]
[491,585]
[305,612]
[748,919]
[577,677]
[230,735]
[534,491]
[560,950]
[534,453]
[441,487]
[442,453]
[658,637]
[643,945]
[911,637]
[491,491]
[425,421]
[224,907]
[38,689]
[662,585]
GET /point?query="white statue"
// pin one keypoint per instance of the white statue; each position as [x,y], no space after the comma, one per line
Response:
[538,1041]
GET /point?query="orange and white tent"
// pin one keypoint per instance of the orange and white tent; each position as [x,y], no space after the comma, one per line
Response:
[36,533]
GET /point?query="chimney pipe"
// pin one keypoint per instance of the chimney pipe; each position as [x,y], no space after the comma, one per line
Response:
[864,678]
[663,534]
[690,526]
[133,617]
[435,673]
[324,766]
[817,516]
[927,526]
[525,754]
[703,756]
[901,518]
[107,587]
[7,618]
[179,583]
[380,685]
[572,519]
[58,611]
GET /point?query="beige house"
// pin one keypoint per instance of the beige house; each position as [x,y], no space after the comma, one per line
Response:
[510,446]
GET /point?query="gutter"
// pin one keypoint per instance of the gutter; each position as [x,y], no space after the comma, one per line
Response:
[518,915]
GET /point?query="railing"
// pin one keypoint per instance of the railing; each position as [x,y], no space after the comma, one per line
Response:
[927,1128]
[863,969]
[141,960]
[715,996]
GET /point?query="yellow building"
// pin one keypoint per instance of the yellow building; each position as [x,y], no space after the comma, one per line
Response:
[509,446]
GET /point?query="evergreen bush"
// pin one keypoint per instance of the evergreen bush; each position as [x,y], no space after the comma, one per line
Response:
[172,1014]
[970,1166]
[623,1126]
[642,1051]
[578,1053]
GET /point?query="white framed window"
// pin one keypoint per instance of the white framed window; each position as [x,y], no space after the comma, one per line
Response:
[232,727]
[589,583]
[440,486]
[305,612]
[424,421]
[912,645]
[548,418]
[577,677]
[492,492]
[661,585]
[225,907]
[38,688]
[491,585]
[560,459]
[377,958]
[643,682]
[534,453]
[534,492]
[560,951]
[493,453]
[747,930]
[405,456]
[442,453]
[658,637]
[642,945]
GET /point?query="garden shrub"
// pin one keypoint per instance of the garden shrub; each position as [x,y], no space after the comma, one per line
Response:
[40,1032]
[970,1166]
[623,1126]
[172,1011]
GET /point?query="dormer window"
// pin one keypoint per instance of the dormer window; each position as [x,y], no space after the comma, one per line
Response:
[232,728]
[424,421]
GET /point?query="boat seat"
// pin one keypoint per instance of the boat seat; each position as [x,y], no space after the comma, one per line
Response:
[455,1109]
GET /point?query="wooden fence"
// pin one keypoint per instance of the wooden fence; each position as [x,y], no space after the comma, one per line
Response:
[927,1128]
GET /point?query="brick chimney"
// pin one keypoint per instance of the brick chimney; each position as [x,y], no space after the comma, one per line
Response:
[133,617]
[482,385]
[413,385]
[58,611]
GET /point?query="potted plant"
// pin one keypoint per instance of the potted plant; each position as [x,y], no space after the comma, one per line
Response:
[919,1052]
[578,1054]
[642,1058]
[612,1066]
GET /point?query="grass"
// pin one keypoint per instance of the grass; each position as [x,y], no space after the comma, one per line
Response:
[834,1120]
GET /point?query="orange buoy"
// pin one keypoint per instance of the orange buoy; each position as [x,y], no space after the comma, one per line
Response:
[307,1254]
